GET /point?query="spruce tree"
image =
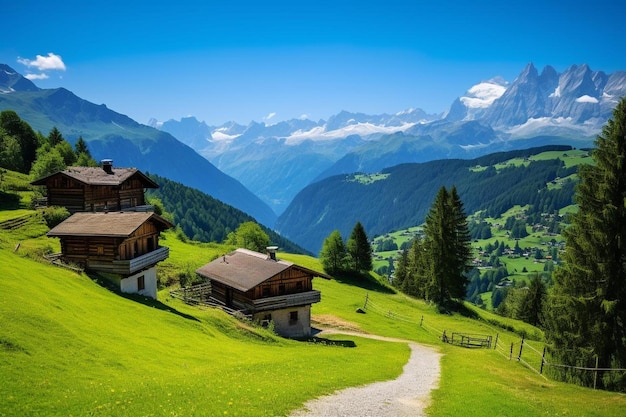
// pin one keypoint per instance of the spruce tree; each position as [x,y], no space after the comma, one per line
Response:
[359,250]
[446,248]
[461,255]
[438,246]
[586,315]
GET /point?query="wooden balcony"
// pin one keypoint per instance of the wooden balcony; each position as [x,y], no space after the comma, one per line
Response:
[130,266]
[286,301]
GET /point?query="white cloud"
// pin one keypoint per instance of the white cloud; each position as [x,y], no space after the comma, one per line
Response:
[44,63]
[483,95]
[586,99]
[304,116]
[269,116]
[41,76]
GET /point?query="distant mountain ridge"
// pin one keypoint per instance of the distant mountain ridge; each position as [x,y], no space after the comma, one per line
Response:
[128,143]
[494,115]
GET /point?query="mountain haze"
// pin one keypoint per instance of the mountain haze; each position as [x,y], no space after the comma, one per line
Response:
[128,143]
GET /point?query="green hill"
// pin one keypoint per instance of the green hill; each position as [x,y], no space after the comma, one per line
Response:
[68,346]
[399,197]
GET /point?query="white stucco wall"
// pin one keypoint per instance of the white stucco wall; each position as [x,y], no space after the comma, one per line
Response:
[285,327]
[129,285]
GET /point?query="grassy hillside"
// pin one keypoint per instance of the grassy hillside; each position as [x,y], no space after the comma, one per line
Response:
[71,347]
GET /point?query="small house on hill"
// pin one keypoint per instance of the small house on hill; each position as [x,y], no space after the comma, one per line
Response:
[96,189]
[267,288]
[122,243]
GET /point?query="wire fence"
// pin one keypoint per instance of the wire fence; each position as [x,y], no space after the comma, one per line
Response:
[523,351]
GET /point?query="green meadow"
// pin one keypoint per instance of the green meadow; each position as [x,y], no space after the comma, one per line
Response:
[71,347]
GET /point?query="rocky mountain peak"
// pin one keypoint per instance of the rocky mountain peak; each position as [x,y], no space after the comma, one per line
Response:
[11,81]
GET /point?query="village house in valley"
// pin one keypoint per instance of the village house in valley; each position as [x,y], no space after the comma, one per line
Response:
[122,243]
[266,288]
[96,189]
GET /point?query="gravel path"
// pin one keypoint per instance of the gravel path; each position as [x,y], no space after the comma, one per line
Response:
[406,396]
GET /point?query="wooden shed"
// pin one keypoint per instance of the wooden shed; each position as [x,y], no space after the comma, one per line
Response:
[267,288]
[96,189]
[123,243]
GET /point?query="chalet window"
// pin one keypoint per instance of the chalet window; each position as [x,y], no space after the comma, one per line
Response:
[293,317]
[100,250]
[281,289]
[266,291]
[299,285]
[136,247]
[141,283]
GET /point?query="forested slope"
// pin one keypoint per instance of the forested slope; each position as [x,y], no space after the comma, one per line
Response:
[204,218]
[399,197]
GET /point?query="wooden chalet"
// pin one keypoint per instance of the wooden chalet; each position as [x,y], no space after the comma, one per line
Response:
[96,189]
[266,288]
[123,243]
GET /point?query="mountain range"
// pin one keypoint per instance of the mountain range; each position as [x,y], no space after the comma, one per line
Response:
[535,109]
[118,137]
[281,162]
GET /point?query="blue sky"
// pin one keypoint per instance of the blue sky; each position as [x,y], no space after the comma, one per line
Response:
[277,60]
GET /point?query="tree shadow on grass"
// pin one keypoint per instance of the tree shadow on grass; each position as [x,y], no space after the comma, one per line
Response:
[365,281]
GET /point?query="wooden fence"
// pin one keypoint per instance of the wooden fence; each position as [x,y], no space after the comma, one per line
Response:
[533,357]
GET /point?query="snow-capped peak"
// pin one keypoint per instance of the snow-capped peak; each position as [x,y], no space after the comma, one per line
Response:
[483,94]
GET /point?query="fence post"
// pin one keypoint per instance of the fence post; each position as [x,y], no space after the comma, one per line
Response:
[367,295]
[421,321]
[543,360]
[595,373]
[521,346]
[495,345]
[511,353]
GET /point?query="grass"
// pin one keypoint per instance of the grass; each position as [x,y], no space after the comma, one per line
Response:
[71,347]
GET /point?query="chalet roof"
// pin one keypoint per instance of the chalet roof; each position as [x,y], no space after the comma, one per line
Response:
[98,176]
[115,224]
[244,269]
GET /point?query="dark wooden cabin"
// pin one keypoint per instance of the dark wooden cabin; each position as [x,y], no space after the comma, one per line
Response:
[267,288]
[96,189]
[123,243]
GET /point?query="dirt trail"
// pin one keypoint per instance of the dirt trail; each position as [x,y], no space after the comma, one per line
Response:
[405,396]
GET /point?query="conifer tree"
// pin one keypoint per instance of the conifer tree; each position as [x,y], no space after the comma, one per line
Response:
[55,137]
[359,250]
[586,315]
[461,254]
[447,248]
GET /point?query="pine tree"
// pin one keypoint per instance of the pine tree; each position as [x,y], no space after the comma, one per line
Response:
[333,253]
[55,137]
[461,255]
[586,313]
[359,250]
[447,248]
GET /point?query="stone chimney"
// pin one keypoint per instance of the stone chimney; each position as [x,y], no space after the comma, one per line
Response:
[107,165]
[271,251]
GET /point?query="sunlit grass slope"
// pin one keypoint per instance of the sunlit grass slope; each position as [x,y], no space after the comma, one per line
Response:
[474,382]
[71,347]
